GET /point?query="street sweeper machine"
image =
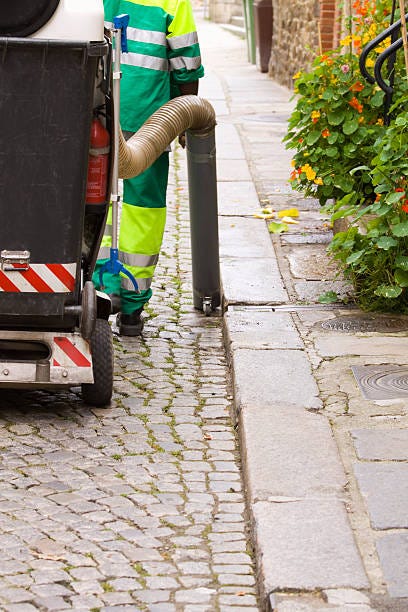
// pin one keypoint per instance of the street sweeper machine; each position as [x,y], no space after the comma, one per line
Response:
[61,155]
[55,105]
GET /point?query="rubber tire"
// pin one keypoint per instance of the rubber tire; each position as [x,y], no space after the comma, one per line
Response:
[99,393]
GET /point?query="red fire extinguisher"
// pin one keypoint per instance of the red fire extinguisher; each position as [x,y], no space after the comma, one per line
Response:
[98,163]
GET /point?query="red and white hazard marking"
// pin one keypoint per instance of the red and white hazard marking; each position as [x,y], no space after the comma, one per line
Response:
[67,353]
[39,278]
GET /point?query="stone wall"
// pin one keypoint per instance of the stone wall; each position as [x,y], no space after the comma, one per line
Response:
[295,30]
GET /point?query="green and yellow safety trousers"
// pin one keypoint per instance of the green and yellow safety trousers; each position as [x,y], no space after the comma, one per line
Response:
[143,219]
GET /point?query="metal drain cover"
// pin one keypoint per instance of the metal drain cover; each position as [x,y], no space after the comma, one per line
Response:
[382,382]
[366,323]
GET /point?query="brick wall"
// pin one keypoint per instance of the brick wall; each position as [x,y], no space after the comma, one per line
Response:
[327,19]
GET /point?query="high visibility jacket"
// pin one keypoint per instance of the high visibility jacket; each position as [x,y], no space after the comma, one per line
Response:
[163,51]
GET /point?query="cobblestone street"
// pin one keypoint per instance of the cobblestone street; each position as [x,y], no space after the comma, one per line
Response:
[138,506]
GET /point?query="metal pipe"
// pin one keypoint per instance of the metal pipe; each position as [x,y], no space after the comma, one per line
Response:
[202,187]
[170,120]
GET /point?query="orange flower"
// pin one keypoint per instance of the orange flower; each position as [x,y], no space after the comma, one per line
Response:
[357,87]
[356,104]
[325,133]
[404,207]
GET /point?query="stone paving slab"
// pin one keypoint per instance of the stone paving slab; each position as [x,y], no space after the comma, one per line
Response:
[295,455]
[238,198]
[334,345]
[313,542]
[393,552]
[385,488]
[381,444]
[243,238]
[232,170]
[252,281]
[255,328]
[275,377]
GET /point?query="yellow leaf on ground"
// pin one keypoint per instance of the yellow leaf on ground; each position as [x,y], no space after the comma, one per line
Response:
[288,212]
[264,216]
[288,220]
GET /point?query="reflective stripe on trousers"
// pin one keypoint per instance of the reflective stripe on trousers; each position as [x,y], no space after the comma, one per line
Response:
[143,218]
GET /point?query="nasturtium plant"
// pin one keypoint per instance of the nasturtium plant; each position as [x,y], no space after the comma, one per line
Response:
[354,163]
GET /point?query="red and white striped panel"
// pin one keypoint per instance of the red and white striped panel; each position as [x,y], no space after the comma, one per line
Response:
[68,352]
[39,278]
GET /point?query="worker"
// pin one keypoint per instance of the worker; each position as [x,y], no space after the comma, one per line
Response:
[163,61]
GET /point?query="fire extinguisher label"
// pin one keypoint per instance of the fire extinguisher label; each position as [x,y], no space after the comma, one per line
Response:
[97,173]
[39,278]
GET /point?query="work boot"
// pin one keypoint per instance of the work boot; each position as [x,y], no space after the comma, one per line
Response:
[115,302]
[130,324]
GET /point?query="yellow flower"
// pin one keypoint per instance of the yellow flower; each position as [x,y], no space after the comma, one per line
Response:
[370,63]
[297,75]
[318,181]
[293,163]
[346,41]
[310,173]
[380,121]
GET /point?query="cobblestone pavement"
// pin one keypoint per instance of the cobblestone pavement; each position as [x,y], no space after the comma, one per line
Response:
[138,506]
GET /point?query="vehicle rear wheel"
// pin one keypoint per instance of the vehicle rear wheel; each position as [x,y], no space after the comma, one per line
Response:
[99,393]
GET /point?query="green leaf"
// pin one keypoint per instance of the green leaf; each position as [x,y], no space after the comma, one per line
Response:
[328,297]
[277,228]
[401,261]
[345,183]
[313,137]
[333,138]
[401,121]
[394,197]
[354,257]
[401,277]
[328,94]
[350,127]
[359,169]
[331,151]
[377,99]
[401,229]
[336,117]
[388,291]
[343,212]
[386,243]
[349,149]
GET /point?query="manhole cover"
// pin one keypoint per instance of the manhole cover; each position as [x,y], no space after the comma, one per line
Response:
[382,382]
[366,323]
